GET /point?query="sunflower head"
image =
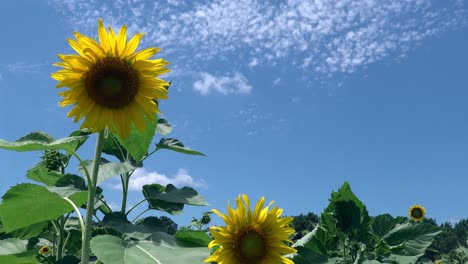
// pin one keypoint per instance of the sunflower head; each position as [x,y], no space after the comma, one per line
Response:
[111,85]
[417,212]
[254,237]
[44,250]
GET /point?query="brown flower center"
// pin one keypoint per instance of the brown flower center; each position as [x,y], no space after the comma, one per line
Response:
[416,213]
[250,245]
[112,82]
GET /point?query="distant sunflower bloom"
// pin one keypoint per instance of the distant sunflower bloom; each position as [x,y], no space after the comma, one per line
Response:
[44,250]
[417,212]
[256,237]
[111,84]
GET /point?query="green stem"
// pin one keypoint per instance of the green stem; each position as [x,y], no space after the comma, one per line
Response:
[125,178]
[88,178]
[91,195]
[77,211]
[140,215]
[61,223]
[133,207]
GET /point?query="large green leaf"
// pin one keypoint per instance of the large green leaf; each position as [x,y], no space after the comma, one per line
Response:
[410,240]
[77,133]
[42,141]
[11,246]
[383,223]
[30,231]
[40,173]
[350,213]
[119,222]
[193,238]
[163,127]
[176,145]
[26,204]
[27,257]
[137,143]
[53,178]
[170,199]
[161,249]
[107,169]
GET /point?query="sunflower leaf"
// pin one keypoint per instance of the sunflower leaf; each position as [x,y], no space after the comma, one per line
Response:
[137,143]
[41,141]
[170,199]
[160,248]
[175,145]
[11,246]
[163,127]
[107,169]
[26,204]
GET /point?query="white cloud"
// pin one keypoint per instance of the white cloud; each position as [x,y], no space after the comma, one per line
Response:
[327,36]
[23,67]
[276,81]
[253,62]
[235,84]
[295,100]
[141,177]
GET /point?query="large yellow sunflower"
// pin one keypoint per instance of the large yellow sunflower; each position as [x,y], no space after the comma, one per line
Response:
[111,84]
[256,237]
[417,212]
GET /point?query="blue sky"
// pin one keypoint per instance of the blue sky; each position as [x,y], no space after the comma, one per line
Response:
[288,99]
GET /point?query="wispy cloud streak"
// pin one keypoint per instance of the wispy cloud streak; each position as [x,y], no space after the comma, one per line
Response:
[318,36]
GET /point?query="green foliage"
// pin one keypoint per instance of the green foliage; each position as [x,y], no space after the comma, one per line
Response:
[347,234]
[163,222]
[27,204]
[137,143]
[108,169]
[171,199]
[175,145]
[42,141]
[159,248]
[203,222]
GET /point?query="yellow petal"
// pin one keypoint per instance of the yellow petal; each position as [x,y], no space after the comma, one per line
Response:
[121,39]
[102,34]
[132,45]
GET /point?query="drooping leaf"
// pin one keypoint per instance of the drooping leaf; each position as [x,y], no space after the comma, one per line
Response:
[160,249]
[77,133]
[137,143]
[40,173]
[413,238]
[163,127]
[170,199]
[383,223]
[11,246]
[107,169]
[192,238]
[27,257]
[42,141]
[175,145]
[27,204]
[30,231]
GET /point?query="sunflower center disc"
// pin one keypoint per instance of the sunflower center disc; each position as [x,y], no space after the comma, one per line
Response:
[416,213]
[112,82]
[252,246]
[110,86]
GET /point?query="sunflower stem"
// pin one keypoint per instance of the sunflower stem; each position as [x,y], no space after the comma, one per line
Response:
[125,178]
[91,195]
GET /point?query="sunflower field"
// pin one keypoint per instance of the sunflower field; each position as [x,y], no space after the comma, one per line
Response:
[63,218]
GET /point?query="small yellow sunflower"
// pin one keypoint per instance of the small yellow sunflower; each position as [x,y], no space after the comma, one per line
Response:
[44,250]
[256,237]
[111,84]
[417,212]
